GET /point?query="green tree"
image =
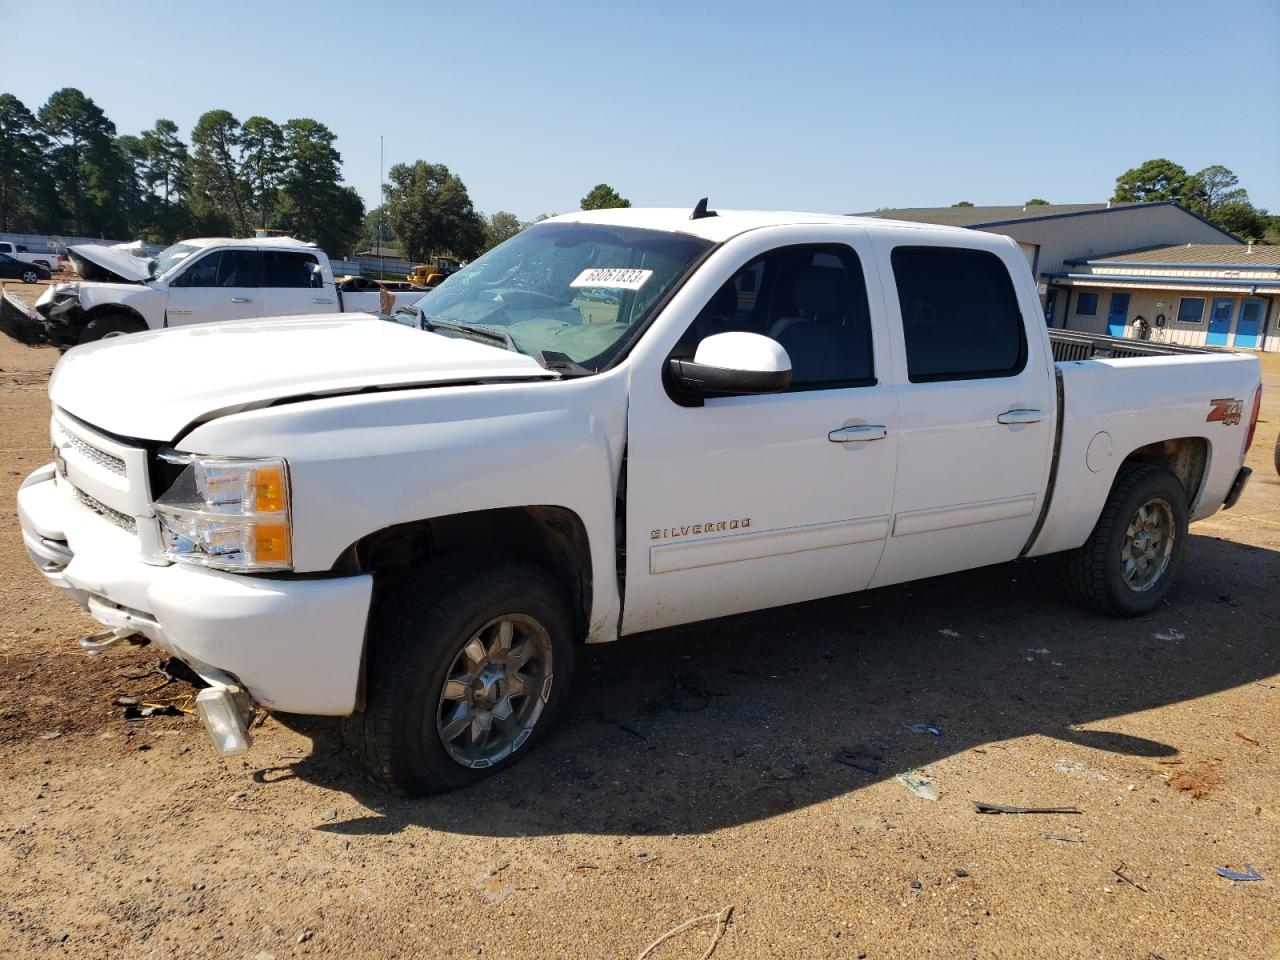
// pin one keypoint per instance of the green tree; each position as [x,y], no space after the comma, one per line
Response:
[430,212]
[1037,202]
[24,182]
[87,168]
[500,227]
[263,160]
[376,228]
[1214,187]
[1157,179]
[312,202]
[603,197]
[133,193]
[219,192]
[963,203]
[1243,219]
[166,167]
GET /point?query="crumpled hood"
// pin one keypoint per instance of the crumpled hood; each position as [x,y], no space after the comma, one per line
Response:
[153,385]
[126,266]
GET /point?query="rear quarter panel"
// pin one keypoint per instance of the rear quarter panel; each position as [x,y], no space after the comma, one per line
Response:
[1136,402]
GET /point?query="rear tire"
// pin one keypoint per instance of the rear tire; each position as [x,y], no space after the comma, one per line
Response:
[423,681]
[1134,554]
[110,325]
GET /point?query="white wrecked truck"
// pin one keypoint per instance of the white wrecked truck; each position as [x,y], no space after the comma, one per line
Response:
[614,422]
[195,281]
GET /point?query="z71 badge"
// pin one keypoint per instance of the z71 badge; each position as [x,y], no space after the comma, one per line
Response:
[1226,412]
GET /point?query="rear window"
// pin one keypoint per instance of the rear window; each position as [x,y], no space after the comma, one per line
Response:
[960,316]
[283,269]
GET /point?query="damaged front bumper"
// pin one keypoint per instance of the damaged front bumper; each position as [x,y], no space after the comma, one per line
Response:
[293,645]
[56,320]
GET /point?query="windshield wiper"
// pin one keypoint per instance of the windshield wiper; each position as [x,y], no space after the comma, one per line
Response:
[431,324]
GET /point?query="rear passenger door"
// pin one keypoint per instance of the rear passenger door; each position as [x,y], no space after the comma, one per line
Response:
[221,285]
[977,403]
[293,284]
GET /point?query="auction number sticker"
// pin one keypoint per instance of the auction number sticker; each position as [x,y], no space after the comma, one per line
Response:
[620,278]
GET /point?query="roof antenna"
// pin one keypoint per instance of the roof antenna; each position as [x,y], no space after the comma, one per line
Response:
[700,211]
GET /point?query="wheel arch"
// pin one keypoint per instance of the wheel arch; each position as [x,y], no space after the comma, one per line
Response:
[1187,458]
[554,537]
[115,310]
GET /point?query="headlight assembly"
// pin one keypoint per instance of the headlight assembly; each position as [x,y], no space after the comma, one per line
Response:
[227,513]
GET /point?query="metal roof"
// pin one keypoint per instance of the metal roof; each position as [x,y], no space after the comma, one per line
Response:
[985,216]
[1259,256]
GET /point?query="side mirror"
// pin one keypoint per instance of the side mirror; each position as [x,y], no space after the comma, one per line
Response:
[734,363]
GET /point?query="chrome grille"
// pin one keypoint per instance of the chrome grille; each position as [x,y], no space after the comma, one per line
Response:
[121,520]
[89,452]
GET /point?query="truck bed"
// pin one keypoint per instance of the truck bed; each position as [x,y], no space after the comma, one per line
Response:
[1074,345]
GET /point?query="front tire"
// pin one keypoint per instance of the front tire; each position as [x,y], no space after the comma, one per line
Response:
[30,276]
[110,325]
[463,676]
[1134,554]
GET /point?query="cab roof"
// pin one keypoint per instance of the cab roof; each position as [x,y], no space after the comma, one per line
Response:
[729,223]
[268,242]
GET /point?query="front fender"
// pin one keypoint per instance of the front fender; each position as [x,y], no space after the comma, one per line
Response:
[361,463]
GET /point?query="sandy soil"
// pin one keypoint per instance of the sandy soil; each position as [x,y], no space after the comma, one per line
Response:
[695,772]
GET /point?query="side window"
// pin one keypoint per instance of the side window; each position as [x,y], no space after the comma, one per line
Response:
[1087,304]
[202,273]
[812,299]
[240,268]
[960,316]
[283,269]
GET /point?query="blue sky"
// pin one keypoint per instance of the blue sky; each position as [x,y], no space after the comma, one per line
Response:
[832,107]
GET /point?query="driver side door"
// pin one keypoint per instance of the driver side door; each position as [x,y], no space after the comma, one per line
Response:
[220,285]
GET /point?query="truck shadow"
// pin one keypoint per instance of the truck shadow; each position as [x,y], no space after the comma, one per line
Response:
[724,723]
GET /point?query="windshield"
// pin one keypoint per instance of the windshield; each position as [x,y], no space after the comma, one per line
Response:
[170,257]
[579,289]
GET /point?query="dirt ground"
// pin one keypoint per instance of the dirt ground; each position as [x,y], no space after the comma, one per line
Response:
[695,772]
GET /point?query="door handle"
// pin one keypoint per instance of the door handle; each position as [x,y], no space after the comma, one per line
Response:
[242,299]
[1020,416]
[857,434]
[323,300]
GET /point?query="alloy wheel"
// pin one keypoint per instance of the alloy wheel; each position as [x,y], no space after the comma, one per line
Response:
[1148,545]
[495,691]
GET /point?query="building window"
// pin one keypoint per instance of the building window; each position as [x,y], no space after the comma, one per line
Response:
[1086,304]
[1191,310]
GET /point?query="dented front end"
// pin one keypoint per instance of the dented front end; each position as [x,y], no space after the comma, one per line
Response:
[56,320]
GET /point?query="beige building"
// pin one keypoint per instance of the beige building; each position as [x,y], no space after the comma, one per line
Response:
[1217,295]
[1071,249]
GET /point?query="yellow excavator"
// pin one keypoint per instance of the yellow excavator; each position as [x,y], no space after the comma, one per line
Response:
[433,272]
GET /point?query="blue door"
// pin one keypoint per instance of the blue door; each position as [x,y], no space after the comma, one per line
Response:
[1118,315]
[1220,322]
[1249,325]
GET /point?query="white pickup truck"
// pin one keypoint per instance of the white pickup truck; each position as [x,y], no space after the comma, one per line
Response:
[50,261]
[614,422]
[195,281]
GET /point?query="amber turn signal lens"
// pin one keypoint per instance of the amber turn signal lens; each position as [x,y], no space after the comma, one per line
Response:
[269,490]
[271,543]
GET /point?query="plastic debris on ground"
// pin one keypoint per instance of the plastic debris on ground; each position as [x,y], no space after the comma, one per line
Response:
[918,784]
[1248,873]
[1169,634]
[926,728]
